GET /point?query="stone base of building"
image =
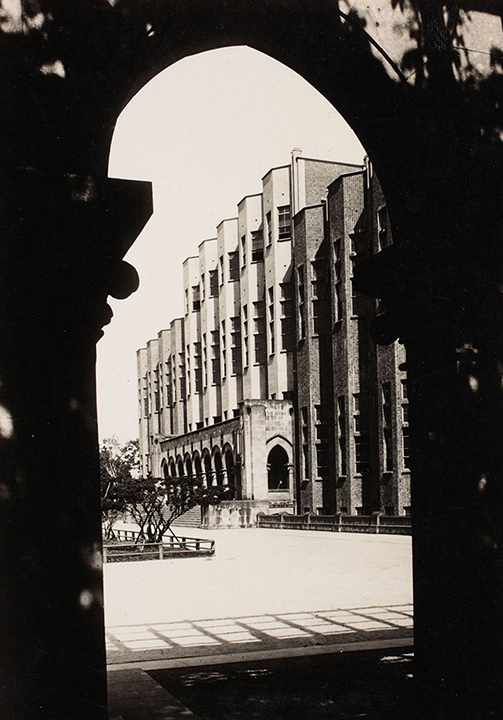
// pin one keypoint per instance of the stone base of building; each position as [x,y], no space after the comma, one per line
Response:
[234,514]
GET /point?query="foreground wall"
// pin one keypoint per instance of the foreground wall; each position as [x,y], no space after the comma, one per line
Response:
[429,115]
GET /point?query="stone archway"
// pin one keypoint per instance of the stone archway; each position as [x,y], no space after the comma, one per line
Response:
[220,477]
[208,469]
[198,467]
[66,227]
[233,478]
[277,469]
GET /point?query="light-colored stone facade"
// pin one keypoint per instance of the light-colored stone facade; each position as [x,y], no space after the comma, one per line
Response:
[270,383]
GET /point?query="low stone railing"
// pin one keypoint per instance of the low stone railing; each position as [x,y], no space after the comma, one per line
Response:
[171,547]
[233,514]
[375,523]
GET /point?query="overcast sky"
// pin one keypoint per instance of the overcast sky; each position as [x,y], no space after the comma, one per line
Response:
[204,132]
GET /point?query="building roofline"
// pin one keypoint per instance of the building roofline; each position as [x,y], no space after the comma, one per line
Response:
[279,167]
[331,162]
[229,219]
[345,175]
[308,207]
[245,197]
[214,239]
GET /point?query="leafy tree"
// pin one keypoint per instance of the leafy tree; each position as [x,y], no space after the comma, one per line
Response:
[119,465]
[156,503]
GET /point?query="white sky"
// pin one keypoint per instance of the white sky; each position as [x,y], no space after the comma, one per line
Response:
[204,131]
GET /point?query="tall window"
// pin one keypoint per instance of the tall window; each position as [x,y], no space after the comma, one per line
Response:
[233,266]
[215,358]
[224,351]
[287,316]
[173,377]
[169,389]
[259,340]
[205,361]
[361,433]
[322,453]
[304,438]
[236,345]
[382,227]
[268,219]
[284,223]
[213,277]
[406,446]
[245,335]
[341,426]
[181,374]
[301,297]
[386,403]
[387,426]
[187,370]
[272,339]
[257,246]
[405,425]
[338,288]
[196,298]
[243,250]
[319,286]
[156,390]
[357,302]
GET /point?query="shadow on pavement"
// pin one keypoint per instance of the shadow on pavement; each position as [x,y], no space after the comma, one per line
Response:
[133,643]
[375,685]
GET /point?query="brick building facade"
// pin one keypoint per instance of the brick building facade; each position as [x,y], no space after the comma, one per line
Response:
[270,381]
[352,413]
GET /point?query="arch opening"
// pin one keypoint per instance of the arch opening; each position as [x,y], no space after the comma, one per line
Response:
[277,469]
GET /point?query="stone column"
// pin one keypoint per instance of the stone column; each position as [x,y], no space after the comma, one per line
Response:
[291,487]
[450,319]
[255,471]
[62,240]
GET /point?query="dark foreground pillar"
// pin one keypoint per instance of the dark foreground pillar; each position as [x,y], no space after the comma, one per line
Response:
[456,397]
[450,314]
[62,241]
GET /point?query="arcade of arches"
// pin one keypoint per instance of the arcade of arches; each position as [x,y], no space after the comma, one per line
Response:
[252,454]
[420,84]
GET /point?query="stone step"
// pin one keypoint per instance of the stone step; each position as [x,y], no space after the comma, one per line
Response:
[192,518]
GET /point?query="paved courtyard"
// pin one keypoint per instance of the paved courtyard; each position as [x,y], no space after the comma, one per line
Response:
[264,590]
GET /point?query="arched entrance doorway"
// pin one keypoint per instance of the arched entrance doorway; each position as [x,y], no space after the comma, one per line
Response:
[277,469]
[232,478]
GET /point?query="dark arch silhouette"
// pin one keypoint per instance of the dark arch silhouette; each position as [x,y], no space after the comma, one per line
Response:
[208,469]
[197,466]
[437,151]
[232,476]
[217,462]
[277,469]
